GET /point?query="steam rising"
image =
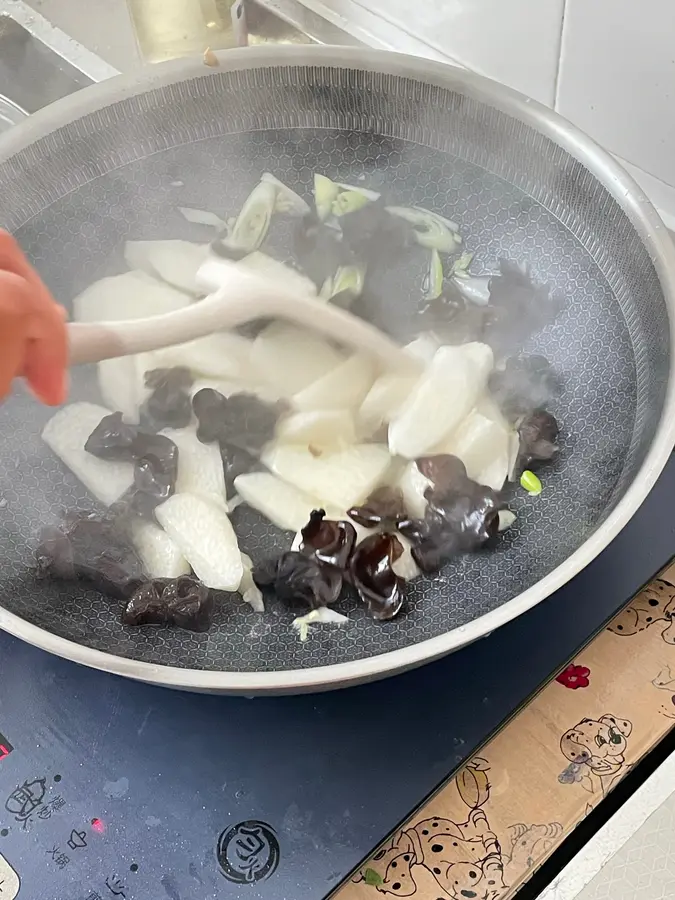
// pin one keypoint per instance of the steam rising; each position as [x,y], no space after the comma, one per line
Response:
[122,173]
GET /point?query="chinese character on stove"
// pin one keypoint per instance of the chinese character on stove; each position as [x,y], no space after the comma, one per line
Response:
[45,812]
[58,857]
[115,886]
[25,799]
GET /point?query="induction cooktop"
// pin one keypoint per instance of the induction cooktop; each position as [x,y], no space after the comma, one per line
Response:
[113,789]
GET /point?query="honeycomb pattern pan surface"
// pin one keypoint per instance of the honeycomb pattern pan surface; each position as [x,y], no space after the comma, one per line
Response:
[114,164]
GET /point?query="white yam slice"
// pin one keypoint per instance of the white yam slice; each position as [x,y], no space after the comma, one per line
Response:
[221,356]
[506,519]
[390,390]
[384,400]
[339,480]
[175,262]
[423,347]
[120,386]
[200,466]
[283,504]
[442,397]
[495,472]
[249,590]
[133,295]
[478,442]
[205,537]
[488,407]
[289,359]
[234,501]
[344,387]
[160,556]
[413,485]
[66,434]
[481,356]
[323,430]
[282,275]
[405,566]
[514,450]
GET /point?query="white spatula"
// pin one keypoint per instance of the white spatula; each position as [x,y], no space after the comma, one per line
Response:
[238,296]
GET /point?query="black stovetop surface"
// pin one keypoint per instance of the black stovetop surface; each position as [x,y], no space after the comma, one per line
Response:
[116,789]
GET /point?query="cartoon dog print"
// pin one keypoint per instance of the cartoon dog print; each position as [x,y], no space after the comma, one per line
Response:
[665,681]
[464,858]
[599,745]
[656,603]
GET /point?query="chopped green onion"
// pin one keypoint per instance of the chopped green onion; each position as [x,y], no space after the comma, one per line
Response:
[301,624]
[346,284]
[325,192]
[453,226]
[287,200]
[348,202]
[431,231]
[531,483]
[253,222]
[460,267]
[371,195]
[323,615]
[349,281]
[433,282]
[326,291]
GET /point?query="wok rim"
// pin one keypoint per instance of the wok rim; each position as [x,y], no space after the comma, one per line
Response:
[599,162]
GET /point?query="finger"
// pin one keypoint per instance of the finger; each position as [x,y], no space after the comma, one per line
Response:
[13,328]
[46,357]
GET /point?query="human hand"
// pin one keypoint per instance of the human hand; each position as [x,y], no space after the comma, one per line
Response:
[33,339]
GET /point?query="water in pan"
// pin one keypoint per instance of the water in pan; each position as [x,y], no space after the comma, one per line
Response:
[80,238]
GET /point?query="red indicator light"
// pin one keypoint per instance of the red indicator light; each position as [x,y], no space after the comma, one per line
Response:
[98,826]
[5,747]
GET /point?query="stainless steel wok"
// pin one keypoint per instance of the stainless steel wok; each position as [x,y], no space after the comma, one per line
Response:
[116,160]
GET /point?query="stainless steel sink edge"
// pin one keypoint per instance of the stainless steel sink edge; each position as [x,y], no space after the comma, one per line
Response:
[58,41]
[40,63]
[309,22]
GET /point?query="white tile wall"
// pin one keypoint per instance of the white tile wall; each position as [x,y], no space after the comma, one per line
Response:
[514,41]
[608,65]
[617,82]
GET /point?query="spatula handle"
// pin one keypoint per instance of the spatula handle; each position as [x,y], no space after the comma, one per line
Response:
[91,342]
[240,296]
